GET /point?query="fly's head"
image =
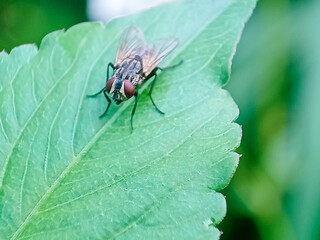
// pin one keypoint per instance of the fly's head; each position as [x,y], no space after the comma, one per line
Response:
[119,89]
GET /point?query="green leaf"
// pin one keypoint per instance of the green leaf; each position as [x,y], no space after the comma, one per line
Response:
[66,174]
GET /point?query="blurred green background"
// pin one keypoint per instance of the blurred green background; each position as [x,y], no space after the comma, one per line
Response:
[275,192]
[276,83]
[28,21]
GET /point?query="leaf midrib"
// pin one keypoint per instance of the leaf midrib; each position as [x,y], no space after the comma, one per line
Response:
[146,167]
[138,170]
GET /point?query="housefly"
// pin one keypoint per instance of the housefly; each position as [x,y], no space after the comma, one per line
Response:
[136,62]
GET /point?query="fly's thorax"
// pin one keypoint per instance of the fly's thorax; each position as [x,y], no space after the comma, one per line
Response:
[130,69]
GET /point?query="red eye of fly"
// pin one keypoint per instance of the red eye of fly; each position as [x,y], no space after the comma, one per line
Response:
[128,89]
[110,83]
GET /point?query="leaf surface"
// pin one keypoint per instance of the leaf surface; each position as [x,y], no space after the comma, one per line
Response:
[66,174]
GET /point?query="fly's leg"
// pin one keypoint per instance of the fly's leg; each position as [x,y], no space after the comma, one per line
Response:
[103,89]
[109,103]
[109,65]
[170,67]
[150,94]
[154,73]
[134,109]
[96,94]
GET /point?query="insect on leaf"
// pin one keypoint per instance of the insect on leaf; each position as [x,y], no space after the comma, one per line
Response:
[65,173]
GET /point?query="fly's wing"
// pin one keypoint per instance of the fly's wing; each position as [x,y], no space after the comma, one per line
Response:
[131,42]
[155,52]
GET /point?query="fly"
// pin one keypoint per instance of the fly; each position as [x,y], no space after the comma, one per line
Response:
[136,62]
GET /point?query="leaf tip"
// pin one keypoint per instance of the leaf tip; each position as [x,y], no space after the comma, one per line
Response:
[85,26]
[52,35]
[28,50]
[3,52]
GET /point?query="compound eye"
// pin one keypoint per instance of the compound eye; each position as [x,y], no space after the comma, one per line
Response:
[129,89]
[109,84]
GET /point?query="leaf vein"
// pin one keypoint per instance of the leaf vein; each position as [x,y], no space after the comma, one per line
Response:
[33,87]
[33,114]
[133,173]
[49,139]
[132,224]
[84,89]
[26,169]
[4,132]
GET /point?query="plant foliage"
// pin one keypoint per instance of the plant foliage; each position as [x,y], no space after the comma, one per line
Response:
[66,174]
